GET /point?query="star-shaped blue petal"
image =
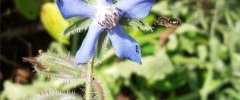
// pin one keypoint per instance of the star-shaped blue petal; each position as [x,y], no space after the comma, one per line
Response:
[124,45]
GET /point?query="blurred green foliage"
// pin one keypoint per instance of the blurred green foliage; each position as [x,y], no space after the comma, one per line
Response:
[201,59]
[28,8]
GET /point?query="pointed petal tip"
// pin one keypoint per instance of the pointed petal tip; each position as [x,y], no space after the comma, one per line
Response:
[82,57]
[78,62]
[124,45]
[79,66]
[139,61]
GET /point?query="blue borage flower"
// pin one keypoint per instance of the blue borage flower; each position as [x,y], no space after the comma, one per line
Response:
[106,16]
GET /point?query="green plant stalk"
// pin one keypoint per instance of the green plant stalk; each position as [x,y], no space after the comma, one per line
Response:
[204,91]
[209,75]
[99,89]
[89,81]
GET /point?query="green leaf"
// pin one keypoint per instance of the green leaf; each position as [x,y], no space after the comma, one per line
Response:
[148,49]
[233,94]
[28,8]
[184,28]
[202,52]
[22,92]
[172,43]
[187,44]
[153,68]
[78,26]
[214,44]
[180,59]
[172,81]
[156,67]
[161,8]
[137,24]
[140,24]
[235,65]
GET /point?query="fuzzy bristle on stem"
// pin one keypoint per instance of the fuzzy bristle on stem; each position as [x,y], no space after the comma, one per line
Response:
[88,94]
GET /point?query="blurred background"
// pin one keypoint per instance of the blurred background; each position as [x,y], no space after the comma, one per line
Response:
[200,59]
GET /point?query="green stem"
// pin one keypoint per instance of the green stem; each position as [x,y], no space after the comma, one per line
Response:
[75,43]
[89,81]
[205,91]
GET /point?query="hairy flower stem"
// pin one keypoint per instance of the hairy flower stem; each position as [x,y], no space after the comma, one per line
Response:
[89,81]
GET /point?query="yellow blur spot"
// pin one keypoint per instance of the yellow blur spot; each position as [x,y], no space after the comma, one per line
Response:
[54,23]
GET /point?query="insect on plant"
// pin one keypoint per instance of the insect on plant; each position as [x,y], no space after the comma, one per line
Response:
[171,25]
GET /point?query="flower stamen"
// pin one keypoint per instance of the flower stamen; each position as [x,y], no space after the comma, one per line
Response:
[107,17]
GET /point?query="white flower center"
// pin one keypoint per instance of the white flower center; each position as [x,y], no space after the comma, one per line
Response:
[107,16]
